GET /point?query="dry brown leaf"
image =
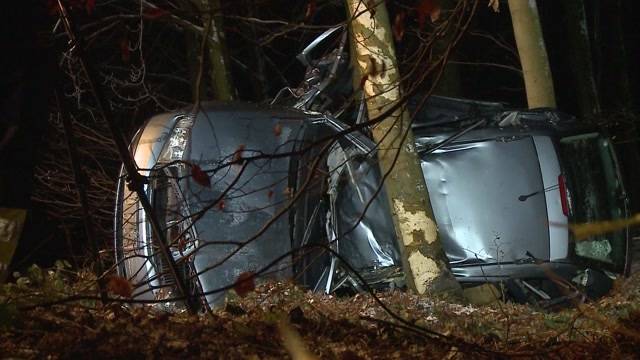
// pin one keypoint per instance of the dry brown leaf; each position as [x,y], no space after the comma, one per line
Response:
[435,14]
[311,10]
[125,52]
[245,283]
[237,155]
[430,8]
[398,25]
[495,5]
[200,176]
[119,286]
[277,129]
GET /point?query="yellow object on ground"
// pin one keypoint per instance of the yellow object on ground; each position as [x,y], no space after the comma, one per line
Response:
[11,223]
[482,295]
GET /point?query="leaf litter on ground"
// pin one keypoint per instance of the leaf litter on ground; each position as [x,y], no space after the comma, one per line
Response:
[326,326]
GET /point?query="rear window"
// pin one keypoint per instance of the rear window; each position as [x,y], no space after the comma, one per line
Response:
[595,194]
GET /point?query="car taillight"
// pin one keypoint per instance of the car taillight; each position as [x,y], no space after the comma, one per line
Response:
[564,200]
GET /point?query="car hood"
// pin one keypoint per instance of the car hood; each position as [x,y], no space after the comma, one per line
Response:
[474,189]
[252,201]
[243,226]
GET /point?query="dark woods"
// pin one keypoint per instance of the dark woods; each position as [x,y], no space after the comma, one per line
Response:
[148,53]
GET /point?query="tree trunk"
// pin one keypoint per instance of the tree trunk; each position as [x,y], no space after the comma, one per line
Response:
[217,51]
[424,261]
[533,54]
[11,224]
[579,48]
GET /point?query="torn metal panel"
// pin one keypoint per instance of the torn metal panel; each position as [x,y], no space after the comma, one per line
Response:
[361,227]
[366,230]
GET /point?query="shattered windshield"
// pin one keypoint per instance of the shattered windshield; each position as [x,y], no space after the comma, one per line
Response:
[594,190]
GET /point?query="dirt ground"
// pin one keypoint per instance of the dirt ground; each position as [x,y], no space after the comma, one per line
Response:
[264,324]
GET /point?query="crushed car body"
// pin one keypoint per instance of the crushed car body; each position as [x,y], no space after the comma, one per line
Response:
[286,193]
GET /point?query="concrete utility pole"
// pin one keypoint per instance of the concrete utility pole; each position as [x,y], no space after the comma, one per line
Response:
[373,55]
[538,81]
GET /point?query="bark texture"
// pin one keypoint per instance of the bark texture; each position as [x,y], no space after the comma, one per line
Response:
[217,52]
[373,56]
[533,54]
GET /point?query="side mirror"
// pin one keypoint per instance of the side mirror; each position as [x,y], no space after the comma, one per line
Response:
[320,72]
[304,56]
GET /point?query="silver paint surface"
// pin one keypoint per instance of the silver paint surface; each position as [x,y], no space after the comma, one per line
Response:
[474,184]
[474,189]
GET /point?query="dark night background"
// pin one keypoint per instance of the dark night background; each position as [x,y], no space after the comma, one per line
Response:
[30,69]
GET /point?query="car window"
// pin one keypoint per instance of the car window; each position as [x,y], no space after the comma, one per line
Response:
[594,190]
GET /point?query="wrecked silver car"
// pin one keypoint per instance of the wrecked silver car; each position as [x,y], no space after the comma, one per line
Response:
[284,193]
[505,192]
[251,212]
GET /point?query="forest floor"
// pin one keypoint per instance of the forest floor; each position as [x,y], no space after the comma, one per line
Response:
[279,320]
